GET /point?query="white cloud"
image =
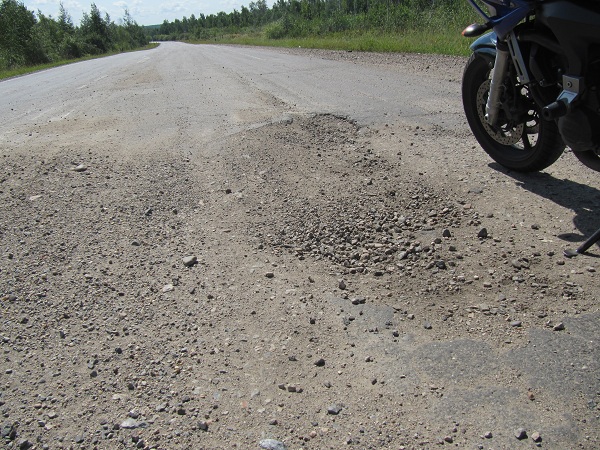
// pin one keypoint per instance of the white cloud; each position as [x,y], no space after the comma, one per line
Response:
[149,12]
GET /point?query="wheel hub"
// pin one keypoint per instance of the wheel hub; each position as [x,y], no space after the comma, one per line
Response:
[503,135]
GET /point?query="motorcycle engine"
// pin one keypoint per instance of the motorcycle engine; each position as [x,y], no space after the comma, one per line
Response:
[580,129]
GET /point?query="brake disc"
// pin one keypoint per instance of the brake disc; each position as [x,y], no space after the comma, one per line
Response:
[503,136]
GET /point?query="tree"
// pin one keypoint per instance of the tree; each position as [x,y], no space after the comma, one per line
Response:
[16,25]
[96,31]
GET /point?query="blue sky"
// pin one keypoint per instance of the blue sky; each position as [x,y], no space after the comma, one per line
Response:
[147,12]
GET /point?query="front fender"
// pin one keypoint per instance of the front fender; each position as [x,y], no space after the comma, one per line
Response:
[485,45]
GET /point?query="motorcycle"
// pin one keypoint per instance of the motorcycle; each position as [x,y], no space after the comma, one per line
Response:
[532,84]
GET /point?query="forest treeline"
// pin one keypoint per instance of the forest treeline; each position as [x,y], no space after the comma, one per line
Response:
[28,38]
[306,18]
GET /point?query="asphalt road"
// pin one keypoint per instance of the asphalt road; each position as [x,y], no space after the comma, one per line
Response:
[193,98]
[222,89]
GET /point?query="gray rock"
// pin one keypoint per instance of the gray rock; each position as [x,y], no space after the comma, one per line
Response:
[559,326]
[24,444]
[131,423]
[515,323]
[483,233]
[8,431]
[79,168]
[520,433]
[189,261]
[334,410]
[272,444]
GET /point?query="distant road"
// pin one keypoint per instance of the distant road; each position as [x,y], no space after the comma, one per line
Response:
[222,88]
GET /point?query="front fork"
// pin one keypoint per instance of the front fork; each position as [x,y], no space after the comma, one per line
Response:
[505,52]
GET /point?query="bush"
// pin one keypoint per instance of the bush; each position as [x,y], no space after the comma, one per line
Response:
[275,30]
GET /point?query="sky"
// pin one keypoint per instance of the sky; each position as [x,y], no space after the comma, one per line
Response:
[146,12]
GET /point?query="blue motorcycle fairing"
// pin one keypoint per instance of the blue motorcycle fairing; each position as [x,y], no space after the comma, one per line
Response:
[506,14]
[485,45]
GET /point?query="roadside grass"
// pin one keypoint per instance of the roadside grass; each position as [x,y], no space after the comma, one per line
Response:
[448,42]
[10,73]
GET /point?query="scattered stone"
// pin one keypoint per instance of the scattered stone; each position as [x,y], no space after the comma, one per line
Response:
[483,233]
[515,323]
[24,444]
[272,444]
[427,326]
[520,433]
[320,362]
[488,435]
[342,285]
[536,437]
[131,423]
[559,326]
[8,431]
[269,274]
[334,410]
[148,212]
[168,288]
[190,261]
[446,233]
[202,425]
[79,168]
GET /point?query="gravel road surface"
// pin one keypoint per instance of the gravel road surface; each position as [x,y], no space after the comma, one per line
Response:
[213,247]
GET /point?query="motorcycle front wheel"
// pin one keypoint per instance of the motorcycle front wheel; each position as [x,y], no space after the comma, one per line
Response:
[526,146]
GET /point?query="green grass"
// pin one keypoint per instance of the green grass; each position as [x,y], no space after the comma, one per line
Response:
[448,43]
[25,70]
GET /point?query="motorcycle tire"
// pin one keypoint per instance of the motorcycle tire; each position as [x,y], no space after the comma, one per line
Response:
[527,147]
